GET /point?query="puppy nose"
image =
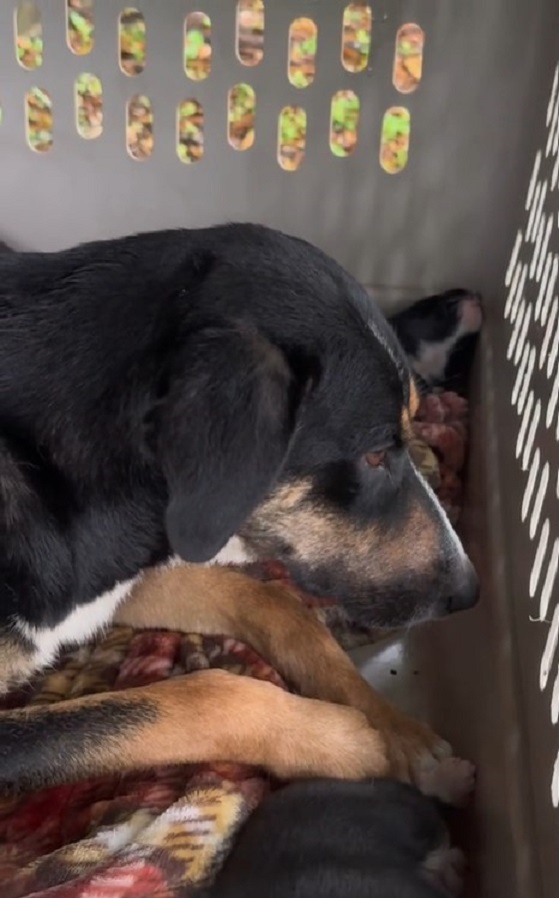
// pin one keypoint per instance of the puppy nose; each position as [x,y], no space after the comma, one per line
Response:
[465,592]
[471,312]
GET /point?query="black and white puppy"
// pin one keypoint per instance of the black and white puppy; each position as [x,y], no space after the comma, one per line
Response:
[333,839]
[439,335]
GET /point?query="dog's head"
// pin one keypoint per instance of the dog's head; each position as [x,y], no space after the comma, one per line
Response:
[290,428]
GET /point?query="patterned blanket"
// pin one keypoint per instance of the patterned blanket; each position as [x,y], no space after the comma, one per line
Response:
[165,833]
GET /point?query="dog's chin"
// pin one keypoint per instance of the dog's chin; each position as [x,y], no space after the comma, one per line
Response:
[318,585]
[386,617]
[370,607]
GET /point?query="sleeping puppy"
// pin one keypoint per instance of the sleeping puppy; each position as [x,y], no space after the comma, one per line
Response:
[229,393]
[439,335]
[342,840]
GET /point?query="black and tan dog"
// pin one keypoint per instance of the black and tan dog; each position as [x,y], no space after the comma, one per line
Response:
[193,394]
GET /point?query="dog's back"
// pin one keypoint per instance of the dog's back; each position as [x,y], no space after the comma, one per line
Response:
[335,840]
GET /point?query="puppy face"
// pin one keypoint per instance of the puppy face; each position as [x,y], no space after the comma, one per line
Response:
[351,517]
[434,330]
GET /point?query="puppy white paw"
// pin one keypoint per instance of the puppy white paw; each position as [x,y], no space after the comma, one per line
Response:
[451,780]
[411,746]
[446,868]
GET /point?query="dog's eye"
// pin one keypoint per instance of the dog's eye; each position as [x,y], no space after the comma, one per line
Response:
[375,459]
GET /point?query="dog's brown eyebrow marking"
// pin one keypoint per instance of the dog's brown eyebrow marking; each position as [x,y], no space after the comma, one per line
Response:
[409,411]
[414,399]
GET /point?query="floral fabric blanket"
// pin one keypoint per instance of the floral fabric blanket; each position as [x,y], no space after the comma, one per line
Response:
[164,833]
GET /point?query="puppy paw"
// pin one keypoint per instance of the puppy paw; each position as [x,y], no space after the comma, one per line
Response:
[446,868]
[451,780]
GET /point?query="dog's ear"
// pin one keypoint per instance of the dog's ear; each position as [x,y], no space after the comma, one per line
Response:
[224,431]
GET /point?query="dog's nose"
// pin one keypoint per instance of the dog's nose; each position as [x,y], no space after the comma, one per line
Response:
[465,592]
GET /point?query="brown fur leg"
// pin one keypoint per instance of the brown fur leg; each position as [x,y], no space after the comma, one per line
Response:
[270,618]
[204,717]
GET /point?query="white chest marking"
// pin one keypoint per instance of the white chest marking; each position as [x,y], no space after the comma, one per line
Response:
[78,627]
[234,552]
[432,359]
[85,621]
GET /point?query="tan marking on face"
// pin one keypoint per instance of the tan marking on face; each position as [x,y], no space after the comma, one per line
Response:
[414,399]
[405,420]
[293,493]
[410,411]
[16,664]
[414,544]
[323,537]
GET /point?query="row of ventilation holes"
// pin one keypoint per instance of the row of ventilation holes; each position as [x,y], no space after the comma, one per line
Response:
[543,271]
[302,47]
[140,141]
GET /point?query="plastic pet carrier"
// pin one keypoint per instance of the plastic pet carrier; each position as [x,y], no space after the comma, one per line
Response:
[417,141]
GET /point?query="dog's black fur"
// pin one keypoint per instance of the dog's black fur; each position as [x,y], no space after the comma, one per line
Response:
[156,390]
[335,840]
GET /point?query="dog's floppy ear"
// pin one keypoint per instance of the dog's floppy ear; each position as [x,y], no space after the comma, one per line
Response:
[224,431]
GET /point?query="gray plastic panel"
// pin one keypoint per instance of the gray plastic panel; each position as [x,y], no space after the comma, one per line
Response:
[527,387]
[445,219]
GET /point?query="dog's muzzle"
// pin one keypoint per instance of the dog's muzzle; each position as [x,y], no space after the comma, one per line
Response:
[465,592]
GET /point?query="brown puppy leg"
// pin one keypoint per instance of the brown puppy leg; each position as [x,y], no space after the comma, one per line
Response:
[269,617]
[209,716]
